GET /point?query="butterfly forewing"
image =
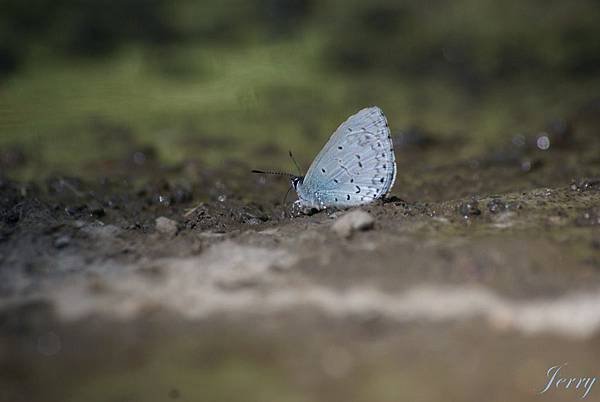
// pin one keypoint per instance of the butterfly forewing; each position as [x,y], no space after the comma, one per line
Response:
[356,166]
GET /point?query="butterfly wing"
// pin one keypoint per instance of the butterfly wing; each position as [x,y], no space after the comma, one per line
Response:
[356,166]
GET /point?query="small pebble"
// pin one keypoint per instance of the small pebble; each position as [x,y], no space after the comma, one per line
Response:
[496,205]
[351,222]
[97,211]
[166,226]
[469,209]
[162,199]
[78,224]
[583,185]
[100,231]
[527,165]
[62,241]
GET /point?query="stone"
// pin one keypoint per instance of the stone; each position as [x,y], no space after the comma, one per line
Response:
[101,231]
[62,241]
[351,222]
[166,226]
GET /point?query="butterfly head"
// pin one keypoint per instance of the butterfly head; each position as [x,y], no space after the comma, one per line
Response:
[296,181]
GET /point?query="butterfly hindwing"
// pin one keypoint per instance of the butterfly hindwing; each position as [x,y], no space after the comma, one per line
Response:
[356,166]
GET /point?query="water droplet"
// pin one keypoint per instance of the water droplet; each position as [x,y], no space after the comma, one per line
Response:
[519,140]
[543,142]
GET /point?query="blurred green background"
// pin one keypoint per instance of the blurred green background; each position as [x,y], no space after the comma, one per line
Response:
[246,80]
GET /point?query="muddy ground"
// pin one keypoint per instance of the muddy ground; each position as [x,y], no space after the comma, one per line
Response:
[479,275]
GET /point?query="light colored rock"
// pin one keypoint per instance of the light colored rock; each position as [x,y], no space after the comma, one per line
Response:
[352,222]
[62,241]
[226,277]
[166,226]
[100,231]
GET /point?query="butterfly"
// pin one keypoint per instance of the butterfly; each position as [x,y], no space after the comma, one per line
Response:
[355,167]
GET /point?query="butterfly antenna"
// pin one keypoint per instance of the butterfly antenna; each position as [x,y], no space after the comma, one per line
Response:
[278,174]
[273,172]
[295,163]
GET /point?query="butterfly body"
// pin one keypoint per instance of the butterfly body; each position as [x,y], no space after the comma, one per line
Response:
[356,166]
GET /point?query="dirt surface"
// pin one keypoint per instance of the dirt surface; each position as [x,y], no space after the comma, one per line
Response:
[477,276]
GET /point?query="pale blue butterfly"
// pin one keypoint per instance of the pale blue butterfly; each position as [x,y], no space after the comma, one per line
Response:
[356,166]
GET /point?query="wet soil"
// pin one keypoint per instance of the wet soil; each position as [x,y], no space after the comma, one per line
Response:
[479,275]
